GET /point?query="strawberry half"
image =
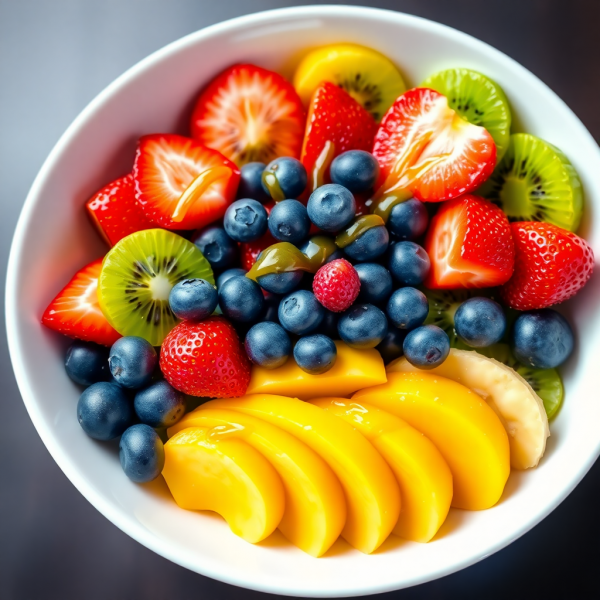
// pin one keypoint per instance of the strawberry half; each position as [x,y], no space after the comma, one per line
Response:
[426,149]
[249,251]
[250,114]
[336,123]
[551,265]
[75,310]
[115,211]
[469,245]
[181,184]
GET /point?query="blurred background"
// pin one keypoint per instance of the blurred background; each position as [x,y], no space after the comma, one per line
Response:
[55,56]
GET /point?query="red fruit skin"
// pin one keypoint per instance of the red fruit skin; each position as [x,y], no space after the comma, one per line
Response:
[551,265]
[470,245]
[205,359]
[336,285]
[115,211]
[420,126]
[249,251]
[222,108]
[76,312]
[334,116]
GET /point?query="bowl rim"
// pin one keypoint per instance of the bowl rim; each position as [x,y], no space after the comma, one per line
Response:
[135,530]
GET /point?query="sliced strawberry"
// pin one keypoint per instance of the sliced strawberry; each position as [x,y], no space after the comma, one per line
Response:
[551,265]
[250,114]
[425,148]
[182,184]
[470,245]
[75,311]
[249,251]
[115,211]
[336,123]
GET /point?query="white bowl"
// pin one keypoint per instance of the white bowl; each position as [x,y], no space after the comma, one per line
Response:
[53,239]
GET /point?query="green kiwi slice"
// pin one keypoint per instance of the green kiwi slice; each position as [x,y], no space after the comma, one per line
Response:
[478,100]
[546,382]
[443,304]
[536,182]
[136,279]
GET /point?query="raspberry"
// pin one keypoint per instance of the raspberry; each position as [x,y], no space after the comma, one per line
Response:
[205,359]
[336,285]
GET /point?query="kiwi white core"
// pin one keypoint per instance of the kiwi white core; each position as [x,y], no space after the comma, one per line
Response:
[160,287]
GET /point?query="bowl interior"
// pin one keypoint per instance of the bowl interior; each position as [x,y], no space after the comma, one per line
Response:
[54,238]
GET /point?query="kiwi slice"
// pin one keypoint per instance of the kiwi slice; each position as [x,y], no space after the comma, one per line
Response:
[536,182]
[545,382]
[371,78]
[478,100]
[137,276]
[443,304]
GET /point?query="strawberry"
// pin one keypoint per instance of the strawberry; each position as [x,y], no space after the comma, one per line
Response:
[249,114]
[205,359]
[75,310]
[428,151]
[336,285]
[249,251]
[115,211]
[551,265]
[336,123]
[182,184]
[469,244]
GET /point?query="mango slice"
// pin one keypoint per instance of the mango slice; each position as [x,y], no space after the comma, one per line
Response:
[228,477]
[466,431]
[315,506]
[422,473]
[372,493]
[353,370]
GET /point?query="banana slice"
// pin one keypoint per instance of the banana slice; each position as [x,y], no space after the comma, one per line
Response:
[520,409]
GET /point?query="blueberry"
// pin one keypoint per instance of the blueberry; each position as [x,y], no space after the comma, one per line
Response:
[426,347]
[245,220]
[104,411]
[268,345]
[407,308]
[289,222]
[251,182]
[241,299]
[408,263]
[225,275]
[159,405]
[480,322]
[542,339]
[371,244]
[284,177]
[390,347]
[408,220]
[375,283]
[315,354]
[329,325]
[356,170]
[193,299]
[132,361]
[141,453]
[331,207]
[280,283]
[271,307]
[363,326]
[301,312]
[218,248]
[86,362]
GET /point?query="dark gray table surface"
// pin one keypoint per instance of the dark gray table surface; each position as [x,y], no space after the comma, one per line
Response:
[55,56]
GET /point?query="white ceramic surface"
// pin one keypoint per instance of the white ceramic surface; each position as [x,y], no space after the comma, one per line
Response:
[54,238]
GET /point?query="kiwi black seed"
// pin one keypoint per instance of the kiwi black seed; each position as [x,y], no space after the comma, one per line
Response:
[136,279]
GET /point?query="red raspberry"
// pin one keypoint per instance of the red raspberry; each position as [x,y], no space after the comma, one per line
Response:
[551,265]
[205,359]
[336,285]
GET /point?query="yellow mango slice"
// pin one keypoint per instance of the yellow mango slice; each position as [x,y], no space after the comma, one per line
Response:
[353,370]
[466,431]
[371,490]
[228,477]
[315,506]
[422,473]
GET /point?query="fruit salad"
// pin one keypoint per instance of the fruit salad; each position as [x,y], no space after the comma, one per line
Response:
[331,308]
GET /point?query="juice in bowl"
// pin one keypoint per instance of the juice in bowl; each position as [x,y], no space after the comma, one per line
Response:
[325,310]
